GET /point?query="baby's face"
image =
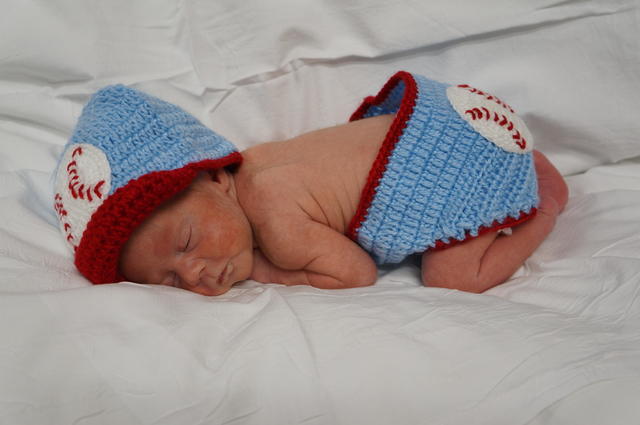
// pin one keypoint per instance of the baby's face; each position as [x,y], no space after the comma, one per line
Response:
[200,241]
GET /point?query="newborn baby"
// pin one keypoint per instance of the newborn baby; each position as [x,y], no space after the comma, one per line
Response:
[145,193]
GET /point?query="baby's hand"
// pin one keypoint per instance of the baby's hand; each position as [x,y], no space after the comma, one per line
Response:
[265,271]
[552,189]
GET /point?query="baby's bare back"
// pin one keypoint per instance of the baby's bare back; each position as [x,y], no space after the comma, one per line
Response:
[318,175]
[300,196]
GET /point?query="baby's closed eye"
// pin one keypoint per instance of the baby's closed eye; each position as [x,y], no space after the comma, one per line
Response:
[185,238]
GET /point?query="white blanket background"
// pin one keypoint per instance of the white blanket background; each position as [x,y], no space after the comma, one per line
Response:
[557,344]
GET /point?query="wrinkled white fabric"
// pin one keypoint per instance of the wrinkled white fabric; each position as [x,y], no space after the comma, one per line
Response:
[558,343]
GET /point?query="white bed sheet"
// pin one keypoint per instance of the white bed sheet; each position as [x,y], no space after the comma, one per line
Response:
[558,343]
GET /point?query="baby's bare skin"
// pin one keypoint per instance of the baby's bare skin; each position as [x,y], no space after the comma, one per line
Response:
[300,196]
[282,217]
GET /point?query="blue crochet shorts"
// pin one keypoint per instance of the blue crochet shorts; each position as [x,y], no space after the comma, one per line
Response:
[456,163]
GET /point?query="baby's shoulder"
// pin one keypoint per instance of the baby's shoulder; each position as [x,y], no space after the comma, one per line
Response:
[272,203]
[267,192]
[268,198]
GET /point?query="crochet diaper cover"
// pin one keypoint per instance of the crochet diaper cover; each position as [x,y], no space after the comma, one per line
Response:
[456,162]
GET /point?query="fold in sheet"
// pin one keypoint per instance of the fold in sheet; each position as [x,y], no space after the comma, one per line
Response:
[558,343]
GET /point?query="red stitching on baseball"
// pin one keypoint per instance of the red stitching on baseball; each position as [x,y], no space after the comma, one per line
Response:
[520,141]
[97,189]
[477,114]
[72,189]
[76,187]
[487,96]
[62,213]
[60,210]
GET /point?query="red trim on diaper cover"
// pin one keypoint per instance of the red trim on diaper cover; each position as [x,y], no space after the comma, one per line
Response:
[494,227]
[111,225]
[391,139]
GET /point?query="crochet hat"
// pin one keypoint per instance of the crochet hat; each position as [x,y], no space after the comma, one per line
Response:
[455,163]
[129,153]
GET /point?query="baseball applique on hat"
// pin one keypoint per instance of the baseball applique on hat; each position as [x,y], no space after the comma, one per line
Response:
[83,180]
[128,154]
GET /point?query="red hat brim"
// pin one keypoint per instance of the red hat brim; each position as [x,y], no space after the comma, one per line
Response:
[111,225]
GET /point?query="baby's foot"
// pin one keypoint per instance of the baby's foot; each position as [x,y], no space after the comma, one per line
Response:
[551,184]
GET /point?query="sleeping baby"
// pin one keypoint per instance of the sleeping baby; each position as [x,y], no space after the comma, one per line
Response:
[146,193]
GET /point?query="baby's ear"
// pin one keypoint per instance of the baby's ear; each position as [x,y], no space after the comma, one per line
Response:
[221,177]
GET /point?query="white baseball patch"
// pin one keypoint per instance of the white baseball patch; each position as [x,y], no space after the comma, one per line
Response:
[82,183]
[491,117]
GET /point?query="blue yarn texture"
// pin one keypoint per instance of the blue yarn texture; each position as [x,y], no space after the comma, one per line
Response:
[443,180]
[140,133]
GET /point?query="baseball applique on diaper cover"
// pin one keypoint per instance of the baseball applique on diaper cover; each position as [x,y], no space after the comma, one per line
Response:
[456,162]
[128,154]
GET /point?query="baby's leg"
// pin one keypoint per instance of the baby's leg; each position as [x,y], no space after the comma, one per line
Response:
[489,260]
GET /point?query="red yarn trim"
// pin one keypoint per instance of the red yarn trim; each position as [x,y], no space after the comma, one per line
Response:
[114,221]
[494,227]
[393,135]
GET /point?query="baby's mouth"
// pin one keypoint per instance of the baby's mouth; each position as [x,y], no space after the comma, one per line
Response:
[224,275]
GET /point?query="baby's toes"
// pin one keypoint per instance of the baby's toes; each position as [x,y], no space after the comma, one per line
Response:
[550,181]
[554,185]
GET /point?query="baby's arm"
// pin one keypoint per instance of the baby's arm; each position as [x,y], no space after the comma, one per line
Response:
[490,259]
[318,256]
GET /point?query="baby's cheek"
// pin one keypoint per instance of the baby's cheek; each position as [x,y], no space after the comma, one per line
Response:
[239,235]
[229,242]
[245,266]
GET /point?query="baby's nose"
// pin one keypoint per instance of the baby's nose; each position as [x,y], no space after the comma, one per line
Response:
[190,272]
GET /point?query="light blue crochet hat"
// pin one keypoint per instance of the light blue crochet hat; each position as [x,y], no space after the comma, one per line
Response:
[129,153]
[455,163]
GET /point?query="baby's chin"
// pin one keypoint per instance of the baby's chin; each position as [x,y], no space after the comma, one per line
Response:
[243,265]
